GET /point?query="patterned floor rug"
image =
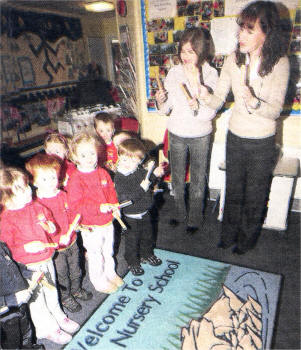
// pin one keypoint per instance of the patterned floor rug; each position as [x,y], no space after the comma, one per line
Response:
[186,303]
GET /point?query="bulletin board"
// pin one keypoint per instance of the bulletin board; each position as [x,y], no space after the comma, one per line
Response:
[163,22]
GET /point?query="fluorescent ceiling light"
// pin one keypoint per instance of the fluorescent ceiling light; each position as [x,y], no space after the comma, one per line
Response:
[99,6]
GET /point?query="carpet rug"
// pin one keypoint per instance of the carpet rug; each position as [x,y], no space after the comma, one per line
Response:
[186,303]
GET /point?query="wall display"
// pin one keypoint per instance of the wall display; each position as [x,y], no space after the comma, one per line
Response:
[26,70]
[39,49]
[161,35]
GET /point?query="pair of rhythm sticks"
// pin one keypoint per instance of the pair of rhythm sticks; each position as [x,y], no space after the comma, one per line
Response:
[183,86]
[34,246]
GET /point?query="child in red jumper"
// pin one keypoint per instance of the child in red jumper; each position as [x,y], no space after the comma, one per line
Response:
[57,145]
[45,171]
[27,227]
[104,127]
[91,193]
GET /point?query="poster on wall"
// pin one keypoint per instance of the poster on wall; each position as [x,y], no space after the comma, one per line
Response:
[221,28]
[157,7]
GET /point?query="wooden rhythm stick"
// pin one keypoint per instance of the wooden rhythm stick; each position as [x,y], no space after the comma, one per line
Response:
[36,246]
[124,204]
[64,239]
[186,91]
[188,96]
[35,280]
[150,170]
[118,218]
[160,86]
[72,227]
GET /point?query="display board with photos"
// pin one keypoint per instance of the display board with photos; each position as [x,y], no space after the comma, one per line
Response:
[162,33]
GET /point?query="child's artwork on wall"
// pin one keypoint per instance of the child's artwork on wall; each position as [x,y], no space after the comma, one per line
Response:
[39,49]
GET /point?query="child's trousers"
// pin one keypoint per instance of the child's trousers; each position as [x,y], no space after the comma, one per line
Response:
[68,271]
[99,241]
[44,304]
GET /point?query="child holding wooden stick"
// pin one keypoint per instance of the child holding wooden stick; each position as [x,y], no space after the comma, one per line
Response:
[132,182]
[45,171]
[91,193]
[27,227]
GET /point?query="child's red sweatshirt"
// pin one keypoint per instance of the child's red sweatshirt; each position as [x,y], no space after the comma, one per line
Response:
[87,191]
[21,226]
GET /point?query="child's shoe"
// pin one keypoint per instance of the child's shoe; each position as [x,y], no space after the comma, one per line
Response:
[136,270]
[151,260]
[59,337]
[117,280]
[68,325]
[83,294]
[71,304]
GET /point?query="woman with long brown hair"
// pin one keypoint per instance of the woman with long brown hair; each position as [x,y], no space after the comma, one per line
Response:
[258,74]
[189,124]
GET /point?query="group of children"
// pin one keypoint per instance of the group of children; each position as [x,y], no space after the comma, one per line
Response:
[67,189]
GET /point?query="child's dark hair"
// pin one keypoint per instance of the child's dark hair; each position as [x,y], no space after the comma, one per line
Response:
[201,43]
[132,148]
[106,118]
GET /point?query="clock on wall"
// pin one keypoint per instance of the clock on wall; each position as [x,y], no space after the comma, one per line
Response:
[121,7]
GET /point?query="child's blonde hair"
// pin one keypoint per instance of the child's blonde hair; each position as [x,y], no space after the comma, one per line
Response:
[80,138]
[105,118]
[8,176]
[132,148]
[43,161]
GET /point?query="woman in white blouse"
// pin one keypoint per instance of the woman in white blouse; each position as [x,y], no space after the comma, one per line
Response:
[189,124]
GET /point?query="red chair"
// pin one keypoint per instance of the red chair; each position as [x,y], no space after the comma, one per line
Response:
[127,124]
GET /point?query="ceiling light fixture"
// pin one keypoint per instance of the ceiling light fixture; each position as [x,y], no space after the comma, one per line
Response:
[99,6]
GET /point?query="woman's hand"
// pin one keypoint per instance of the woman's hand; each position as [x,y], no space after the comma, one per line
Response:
[194,104]
[250,100]
[161,97]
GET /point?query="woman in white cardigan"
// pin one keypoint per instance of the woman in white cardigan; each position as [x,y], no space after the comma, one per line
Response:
[258,74]
[189,124]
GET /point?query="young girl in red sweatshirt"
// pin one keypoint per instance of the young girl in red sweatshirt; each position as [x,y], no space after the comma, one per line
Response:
[27,227]
[45,171]
[57,145]
[91,193]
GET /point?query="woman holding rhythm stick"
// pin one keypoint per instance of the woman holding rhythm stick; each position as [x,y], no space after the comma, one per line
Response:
[190,124]
[257,72]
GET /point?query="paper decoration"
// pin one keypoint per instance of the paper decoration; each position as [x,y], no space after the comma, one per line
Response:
[221,28]
[157,7]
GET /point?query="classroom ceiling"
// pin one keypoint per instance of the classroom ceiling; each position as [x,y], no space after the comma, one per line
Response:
[72,7]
